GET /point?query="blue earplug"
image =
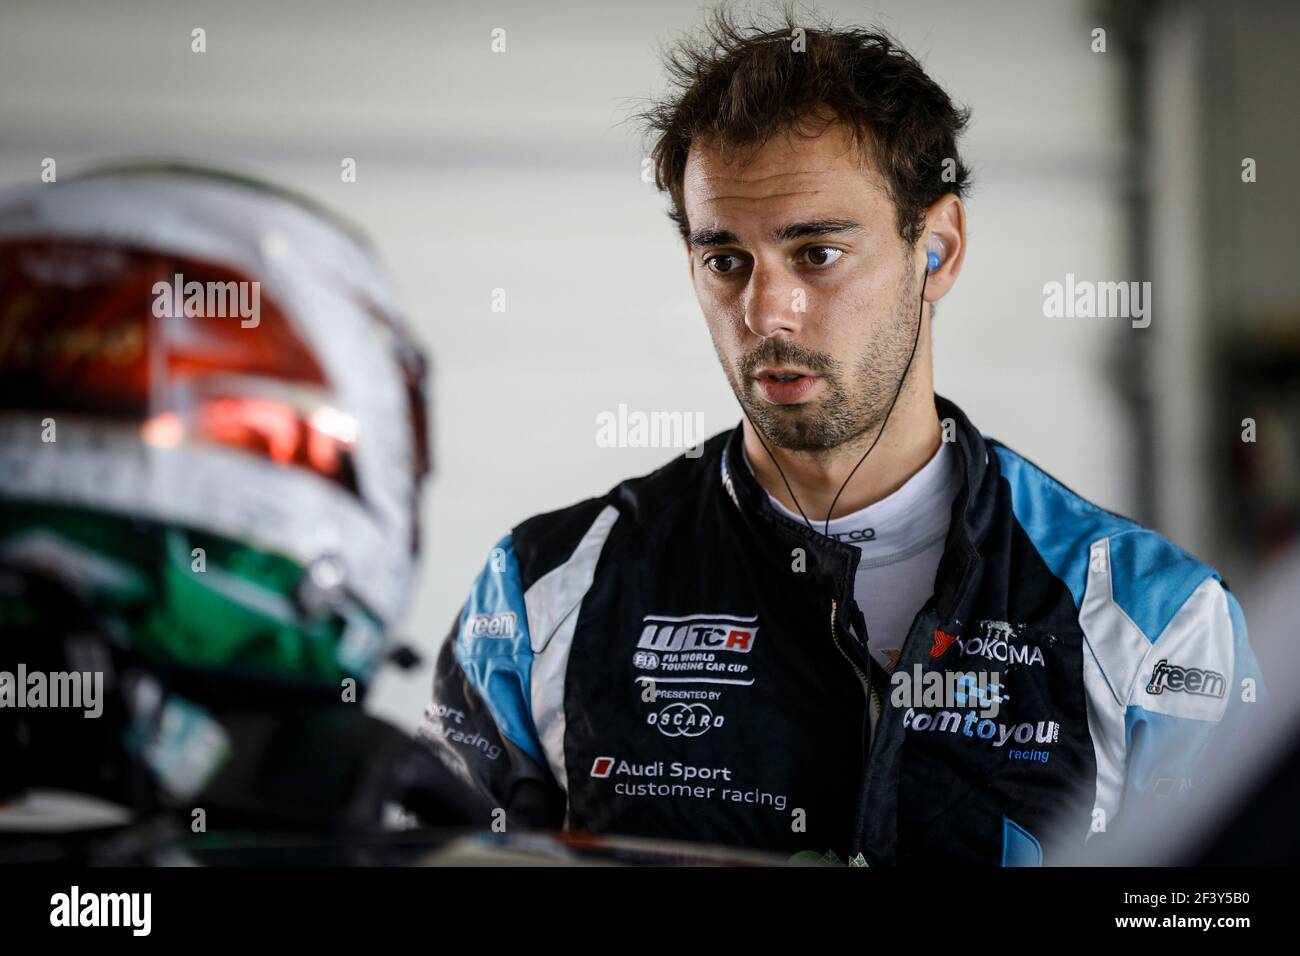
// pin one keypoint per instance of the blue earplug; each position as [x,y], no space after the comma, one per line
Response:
[934,254]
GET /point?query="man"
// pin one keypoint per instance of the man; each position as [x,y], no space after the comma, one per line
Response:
[705,653]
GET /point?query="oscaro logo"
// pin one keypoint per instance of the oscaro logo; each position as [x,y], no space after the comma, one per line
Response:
[685,720]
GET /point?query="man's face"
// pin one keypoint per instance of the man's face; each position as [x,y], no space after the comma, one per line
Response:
[809,291]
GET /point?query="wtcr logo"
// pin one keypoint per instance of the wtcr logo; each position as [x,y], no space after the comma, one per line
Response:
[698,632]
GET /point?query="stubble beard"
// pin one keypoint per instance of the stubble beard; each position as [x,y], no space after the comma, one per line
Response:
[851,408]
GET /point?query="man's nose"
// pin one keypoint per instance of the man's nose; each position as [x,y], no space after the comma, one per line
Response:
[774,302]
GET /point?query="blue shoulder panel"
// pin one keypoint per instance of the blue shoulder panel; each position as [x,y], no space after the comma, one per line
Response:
[1151,577]
[1059,523]
[493,648]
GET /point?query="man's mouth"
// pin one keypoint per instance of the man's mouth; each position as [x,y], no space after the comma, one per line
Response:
[785,386]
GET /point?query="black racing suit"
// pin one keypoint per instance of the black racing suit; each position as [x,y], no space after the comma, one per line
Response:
[676,659]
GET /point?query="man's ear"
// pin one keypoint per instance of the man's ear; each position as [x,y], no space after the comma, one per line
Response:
[946,218]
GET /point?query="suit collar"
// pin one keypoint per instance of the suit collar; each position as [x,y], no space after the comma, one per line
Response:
[971,517]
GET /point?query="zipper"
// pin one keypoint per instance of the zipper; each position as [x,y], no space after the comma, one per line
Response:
[875,708]
[868,689]
[872,704]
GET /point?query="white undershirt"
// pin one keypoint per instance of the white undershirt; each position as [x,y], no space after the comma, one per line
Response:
[901,538]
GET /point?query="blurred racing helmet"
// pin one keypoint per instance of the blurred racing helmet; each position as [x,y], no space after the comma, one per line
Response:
[212,423]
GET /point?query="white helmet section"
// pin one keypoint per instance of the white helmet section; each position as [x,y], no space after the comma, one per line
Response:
[339,303]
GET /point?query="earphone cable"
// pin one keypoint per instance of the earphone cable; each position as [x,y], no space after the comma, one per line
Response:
[899,391]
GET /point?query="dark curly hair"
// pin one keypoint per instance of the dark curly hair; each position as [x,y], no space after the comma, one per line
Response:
[735,85]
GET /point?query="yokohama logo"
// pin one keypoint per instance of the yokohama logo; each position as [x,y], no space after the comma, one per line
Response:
[698,632]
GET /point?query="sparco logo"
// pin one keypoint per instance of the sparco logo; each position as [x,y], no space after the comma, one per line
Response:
[1188,680]
[858,534]
[698,632]
[1001,642]
[685,720]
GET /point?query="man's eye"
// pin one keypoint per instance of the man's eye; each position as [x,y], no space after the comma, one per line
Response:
[823,255]
[723,264]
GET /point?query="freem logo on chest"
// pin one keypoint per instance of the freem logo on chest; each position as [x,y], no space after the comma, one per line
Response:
[698,632]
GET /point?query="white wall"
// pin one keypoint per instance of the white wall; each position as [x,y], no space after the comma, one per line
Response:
[479,171]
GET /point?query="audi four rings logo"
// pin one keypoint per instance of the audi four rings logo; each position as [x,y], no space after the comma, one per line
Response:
[685,720]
